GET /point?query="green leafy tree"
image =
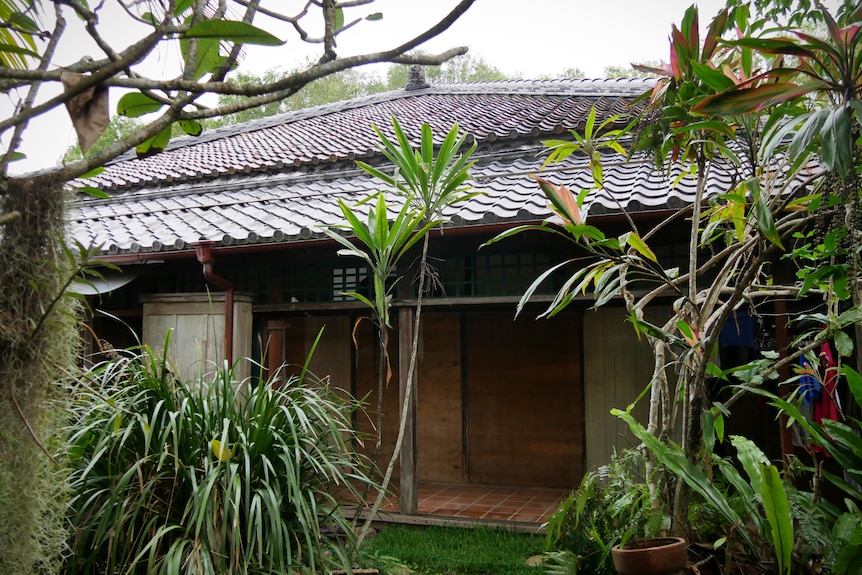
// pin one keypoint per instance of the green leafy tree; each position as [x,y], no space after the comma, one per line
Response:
[334,88]
[782,107]
[38,335]
[632,71]
[567,73]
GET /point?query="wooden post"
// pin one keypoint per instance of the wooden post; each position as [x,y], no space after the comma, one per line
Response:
[275,347]
[409,491]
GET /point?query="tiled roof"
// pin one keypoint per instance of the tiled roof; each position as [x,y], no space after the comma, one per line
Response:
[259,209]
[278,179]
[490,111]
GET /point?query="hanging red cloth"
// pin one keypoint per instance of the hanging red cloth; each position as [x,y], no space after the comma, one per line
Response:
[827,406]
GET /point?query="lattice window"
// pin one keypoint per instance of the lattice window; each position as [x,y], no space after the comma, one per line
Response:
[490,274]
[350,279]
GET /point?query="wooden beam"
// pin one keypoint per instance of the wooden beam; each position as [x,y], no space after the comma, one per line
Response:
[410,302]
[409,492]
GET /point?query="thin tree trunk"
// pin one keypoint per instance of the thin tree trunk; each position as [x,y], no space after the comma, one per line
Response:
[405,406]
[382,372]
[690,399]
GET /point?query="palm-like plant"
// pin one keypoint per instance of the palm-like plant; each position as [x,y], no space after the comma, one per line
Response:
[17,43]
[430,179]
[172,477]
[826,69]
[381,245]
[816,109]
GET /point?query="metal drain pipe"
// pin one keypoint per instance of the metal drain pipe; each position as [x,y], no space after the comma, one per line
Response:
[204,253]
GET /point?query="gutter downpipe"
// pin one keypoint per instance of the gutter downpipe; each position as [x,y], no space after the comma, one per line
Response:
[204,253]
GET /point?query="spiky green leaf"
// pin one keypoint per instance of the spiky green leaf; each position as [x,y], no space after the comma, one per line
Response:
[776,508]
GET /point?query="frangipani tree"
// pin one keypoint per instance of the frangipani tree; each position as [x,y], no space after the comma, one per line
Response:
[709,111]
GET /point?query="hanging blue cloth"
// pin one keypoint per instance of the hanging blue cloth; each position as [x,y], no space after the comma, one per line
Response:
[738,330]
[809,385]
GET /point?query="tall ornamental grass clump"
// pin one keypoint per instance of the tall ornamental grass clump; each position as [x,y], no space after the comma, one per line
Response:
[179,477]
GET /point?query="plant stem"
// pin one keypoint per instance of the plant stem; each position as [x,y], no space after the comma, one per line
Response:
[405,406]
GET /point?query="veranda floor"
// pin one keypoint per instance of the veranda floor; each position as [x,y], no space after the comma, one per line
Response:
[520,508]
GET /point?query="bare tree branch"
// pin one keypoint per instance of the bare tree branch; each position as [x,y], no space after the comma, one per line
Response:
[132,55]
[179,95]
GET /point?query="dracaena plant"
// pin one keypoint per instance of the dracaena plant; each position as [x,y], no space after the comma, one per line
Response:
[380,244]
[429,178]
[673,130]
[827,72]
[814,104]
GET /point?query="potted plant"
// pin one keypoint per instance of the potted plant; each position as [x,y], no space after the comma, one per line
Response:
[611,508]
[652,556]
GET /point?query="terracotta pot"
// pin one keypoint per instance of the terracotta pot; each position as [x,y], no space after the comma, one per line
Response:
[656,556]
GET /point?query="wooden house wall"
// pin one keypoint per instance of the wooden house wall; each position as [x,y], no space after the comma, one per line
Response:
[525,400]
[439,417]
[499,402]
[438,392]
[617,367]
[197,340]
[367,363]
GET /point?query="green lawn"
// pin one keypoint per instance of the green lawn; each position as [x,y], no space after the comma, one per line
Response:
[452,551]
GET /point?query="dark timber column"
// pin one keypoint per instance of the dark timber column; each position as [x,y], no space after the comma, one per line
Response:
[409,489]
[275,347]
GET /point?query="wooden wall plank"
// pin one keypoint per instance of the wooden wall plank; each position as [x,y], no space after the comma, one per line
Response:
[242,336]
[408,484]
[617,367]
[197,341]
[438,396]
[439,440]
[331,360]
[367,362]
[525,400]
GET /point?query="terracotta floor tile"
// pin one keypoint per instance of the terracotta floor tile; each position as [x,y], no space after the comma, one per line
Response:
[510,509]
[497,515]
[489,503]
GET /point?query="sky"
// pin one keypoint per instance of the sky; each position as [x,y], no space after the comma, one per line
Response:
[531,38]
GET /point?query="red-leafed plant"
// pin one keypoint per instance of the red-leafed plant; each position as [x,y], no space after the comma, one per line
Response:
[781,115]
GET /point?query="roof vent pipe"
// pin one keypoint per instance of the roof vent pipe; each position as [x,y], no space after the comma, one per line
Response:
[416,78]
[204,253]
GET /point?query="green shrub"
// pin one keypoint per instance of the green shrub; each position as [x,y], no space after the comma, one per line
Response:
[610,506]
[172,477]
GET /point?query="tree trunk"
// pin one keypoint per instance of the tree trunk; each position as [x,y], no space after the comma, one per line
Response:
[37,354]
